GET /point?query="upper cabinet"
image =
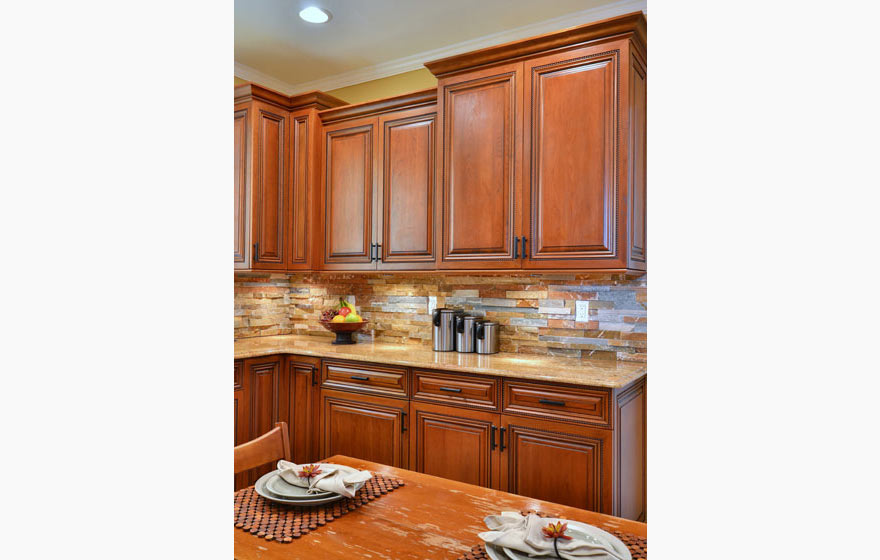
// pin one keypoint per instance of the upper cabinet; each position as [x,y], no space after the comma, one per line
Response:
[275,177]
[378,178]
[527,156]
[544,151]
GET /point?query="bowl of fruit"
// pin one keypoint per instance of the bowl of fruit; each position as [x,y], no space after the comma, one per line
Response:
[343,319]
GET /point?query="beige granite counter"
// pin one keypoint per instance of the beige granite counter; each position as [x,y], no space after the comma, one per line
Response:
[597,373]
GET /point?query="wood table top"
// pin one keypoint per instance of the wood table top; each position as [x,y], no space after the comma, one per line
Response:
[429,518]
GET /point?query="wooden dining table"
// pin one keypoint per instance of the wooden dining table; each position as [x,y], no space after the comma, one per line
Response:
[429,518]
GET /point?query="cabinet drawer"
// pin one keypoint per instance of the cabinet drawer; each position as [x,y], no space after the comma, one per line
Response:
[555,402]
[364,378]
[448,388]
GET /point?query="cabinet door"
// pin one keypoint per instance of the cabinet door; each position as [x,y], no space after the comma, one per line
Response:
[301,412]
[349,173]
[369,428]
[241,252]
[270,186]
[561,463]
[571,135]
[481,116]
[303,125]
[406,178]
[263,377]
[242,416]
[457,444]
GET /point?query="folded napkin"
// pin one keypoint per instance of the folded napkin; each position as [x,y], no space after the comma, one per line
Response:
[330,479]
[525,534]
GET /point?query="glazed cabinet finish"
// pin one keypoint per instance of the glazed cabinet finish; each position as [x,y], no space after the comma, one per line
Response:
[481,116]
[509,434]
[455,443]
[407,180]
[241,185]
[379,191]
[537,451]
[364,427]
[270,182]
[571,132]
[349,176]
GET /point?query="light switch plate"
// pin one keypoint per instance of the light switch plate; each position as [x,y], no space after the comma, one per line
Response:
[582,311]
[432,303]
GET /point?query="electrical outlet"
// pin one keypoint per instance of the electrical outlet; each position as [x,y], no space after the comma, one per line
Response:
[432,303]
[582,311]
[351,299]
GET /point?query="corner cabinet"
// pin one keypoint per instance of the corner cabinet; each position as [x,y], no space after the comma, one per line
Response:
[544,151]
[378,178]
[275,155]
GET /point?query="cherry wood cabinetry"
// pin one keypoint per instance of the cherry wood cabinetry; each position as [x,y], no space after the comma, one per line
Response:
[275,177]
[481,116]
[509,434]
[455,443]
[364,427]
[378,177]
[544,151]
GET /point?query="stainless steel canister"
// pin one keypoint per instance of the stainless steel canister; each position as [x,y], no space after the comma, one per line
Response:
[487,337]
[464,333]
[443,330]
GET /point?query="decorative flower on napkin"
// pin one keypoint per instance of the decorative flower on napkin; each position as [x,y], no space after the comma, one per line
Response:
[309,471]
[556,531]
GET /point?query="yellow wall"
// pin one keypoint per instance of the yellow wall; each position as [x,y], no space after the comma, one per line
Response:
[239,81]
[386,87]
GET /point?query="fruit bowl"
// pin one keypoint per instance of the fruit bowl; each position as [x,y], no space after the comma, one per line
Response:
[343,330]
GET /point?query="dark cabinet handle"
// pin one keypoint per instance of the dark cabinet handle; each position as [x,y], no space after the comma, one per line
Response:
[314,376]
[450,389]
[360,377]
[501,430]
[554,403]
[378,251]
[372,252]
[516,247]
[256,251]
[525,255]
[492,444]
[402,421]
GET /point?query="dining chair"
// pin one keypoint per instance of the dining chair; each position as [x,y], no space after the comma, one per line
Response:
[269,447]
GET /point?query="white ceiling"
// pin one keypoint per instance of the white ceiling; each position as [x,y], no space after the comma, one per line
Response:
[369,39]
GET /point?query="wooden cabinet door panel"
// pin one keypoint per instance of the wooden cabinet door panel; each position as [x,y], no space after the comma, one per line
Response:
[637,174]
[481,115]
[301,199]
[241,252]
[264,377]
[571,128]
[363,427]
[349,176]
[302,408]
[242,415]
[559,463]
[455,444]
[270,185]
[407,173]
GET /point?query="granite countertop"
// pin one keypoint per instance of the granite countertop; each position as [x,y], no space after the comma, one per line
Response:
[596,373]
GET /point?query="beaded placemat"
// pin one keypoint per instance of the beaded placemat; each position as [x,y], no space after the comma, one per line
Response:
[277,522]
[638,546]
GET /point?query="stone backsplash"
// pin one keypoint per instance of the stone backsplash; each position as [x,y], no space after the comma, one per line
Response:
[536,311]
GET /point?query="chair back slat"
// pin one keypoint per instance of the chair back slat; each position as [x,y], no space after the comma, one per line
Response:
[269,447]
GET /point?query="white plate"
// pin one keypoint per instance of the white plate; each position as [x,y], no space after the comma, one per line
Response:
[309,500]
[281,487]
[577,529]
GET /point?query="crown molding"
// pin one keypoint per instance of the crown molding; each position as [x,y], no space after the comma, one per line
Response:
[245,72]
[417,61]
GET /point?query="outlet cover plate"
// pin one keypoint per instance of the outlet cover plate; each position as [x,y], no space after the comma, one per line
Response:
[582,311]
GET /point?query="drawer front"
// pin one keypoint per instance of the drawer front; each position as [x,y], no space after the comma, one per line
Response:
[448,388]
[364,378]
[591,406]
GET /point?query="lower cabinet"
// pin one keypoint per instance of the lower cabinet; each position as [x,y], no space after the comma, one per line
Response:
[300,401]
[454,443]
[562,463]
[365,427]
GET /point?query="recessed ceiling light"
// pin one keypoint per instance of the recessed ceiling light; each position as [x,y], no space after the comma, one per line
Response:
[314,15]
